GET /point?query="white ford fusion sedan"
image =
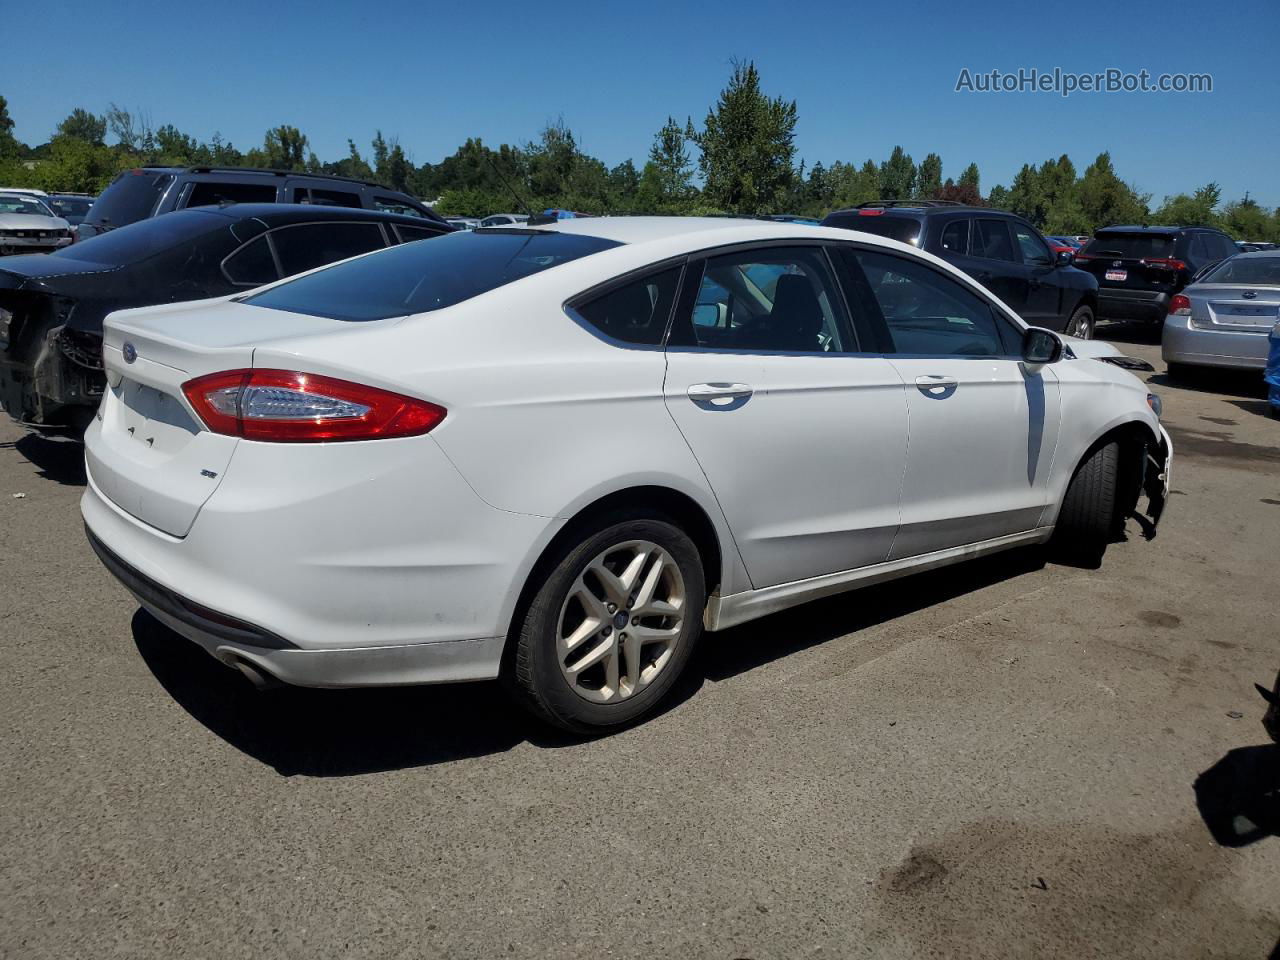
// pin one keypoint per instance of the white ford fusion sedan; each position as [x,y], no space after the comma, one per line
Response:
[555,454]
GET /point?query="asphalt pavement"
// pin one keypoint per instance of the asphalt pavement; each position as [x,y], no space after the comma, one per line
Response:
[1004,759]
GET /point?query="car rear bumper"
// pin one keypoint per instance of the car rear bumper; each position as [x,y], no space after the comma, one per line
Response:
[1119,304]
[332,567]
[1183,343]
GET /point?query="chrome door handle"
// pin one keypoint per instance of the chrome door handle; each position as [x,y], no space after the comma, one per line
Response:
[719,391]
[935,384]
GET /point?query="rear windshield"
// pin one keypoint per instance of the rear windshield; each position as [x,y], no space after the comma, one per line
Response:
[137,241]
[1255,271]
[131,198]
[1132,246]
[906,229]
[418,277]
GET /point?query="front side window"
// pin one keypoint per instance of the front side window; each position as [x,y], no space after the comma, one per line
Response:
[991,240]
[208,193]
[311,245]
[420,277]
[636,312]
[927,313]
[1031,246]
[769,300]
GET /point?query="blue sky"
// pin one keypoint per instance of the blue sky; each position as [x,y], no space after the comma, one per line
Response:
[865,76]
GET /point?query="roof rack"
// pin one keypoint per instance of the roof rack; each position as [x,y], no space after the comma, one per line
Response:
[910,203]
[290,173]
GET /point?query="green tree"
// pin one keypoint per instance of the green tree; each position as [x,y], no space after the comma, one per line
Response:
[672,171]
[898,176]
[284,148]
[852,185]
[624,184]
[747,145]
[1196,210]
[929,176]
[129,129]
[9,147]
[1246,220]
[969,178]
[80,124]
[1107,200]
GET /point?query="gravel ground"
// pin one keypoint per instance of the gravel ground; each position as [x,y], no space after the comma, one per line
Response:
[1008,759]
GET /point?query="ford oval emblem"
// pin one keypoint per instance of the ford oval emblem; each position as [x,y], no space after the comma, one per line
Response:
[130,352]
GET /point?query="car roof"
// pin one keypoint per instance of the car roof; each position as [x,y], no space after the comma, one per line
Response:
[635,230]
[275,214]
[905,209]
[1134,228]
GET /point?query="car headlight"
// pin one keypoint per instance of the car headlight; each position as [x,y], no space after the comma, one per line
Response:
[1156,404]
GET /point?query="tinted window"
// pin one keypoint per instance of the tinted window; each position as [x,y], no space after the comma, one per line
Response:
[328,198]
[991,240]
[207,194]
[418,277]
[906,229]
[1030,245]
[392,205]
[1255,271]
[1131,246]
[132,197]
[311,245]
[929,314]
[773,299]
[410,234]
[1222,246]
[252,264]
[955,237]
[637,312]
[139,241]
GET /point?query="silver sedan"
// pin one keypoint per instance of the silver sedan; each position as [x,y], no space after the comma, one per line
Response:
[1224,318]
[27,225]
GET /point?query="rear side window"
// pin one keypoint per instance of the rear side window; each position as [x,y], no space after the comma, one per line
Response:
[132,197]
[420,277]
[955,237]
[1130,246]
[636,312]
[410,234]
[204,194]
[252,265]
[146,238]
[928,314]
[311,245]
[392,205]
[991,240]
[905,229]
[328,198]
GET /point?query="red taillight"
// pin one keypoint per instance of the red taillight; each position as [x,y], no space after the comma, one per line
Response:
[1180,306]
[873,212]
[284,406]
[1080,258]
[1164,263]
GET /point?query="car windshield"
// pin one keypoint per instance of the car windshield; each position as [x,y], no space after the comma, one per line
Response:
[75,206]
[138,241]
[1132,246]
[12,203]
[1254,271]
[419,277]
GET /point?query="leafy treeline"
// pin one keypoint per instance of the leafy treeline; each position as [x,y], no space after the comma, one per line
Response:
[740,159]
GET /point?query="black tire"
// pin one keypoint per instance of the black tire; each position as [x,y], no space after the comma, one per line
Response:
[1179,371]
[534,673]
[1082,320]
[1088,514]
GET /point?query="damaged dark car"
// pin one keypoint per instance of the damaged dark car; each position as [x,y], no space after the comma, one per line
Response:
[52,306]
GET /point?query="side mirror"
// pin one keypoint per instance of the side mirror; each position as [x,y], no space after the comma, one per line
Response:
[1040,346]
[1065,257]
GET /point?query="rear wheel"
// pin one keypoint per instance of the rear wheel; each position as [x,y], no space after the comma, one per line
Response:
[1081,324]
[1088,513]
[611,627]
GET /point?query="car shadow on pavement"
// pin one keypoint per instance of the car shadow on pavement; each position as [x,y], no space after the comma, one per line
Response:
[1231,383]
[61,461]
[1239,796]
[754,644]
[1128,331]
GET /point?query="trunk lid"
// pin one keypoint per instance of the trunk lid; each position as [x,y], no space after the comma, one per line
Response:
[1132,261]
[147,452]
[1234,307]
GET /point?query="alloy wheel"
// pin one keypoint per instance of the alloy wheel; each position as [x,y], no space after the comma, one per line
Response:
[620,622]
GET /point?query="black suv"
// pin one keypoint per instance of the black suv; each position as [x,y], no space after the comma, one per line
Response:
[1139,269]
[150,191]
[52,305]
[998,249]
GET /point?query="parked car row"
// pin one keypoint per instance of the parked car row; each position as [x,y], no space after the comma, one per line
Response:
[29,225]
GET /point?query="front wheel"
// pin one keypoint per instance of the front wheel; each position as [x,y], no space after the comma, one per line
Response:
[1081,324]
[1088,513]
[611,627]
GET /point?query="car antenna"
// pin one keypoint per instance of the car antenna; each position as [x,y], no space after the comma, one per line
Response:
[510,189]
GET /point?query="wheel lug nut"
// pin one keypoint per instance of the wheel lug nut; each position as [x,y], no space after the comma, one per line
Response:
[613,608]
[607,631]
[635,621]
[622,636]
